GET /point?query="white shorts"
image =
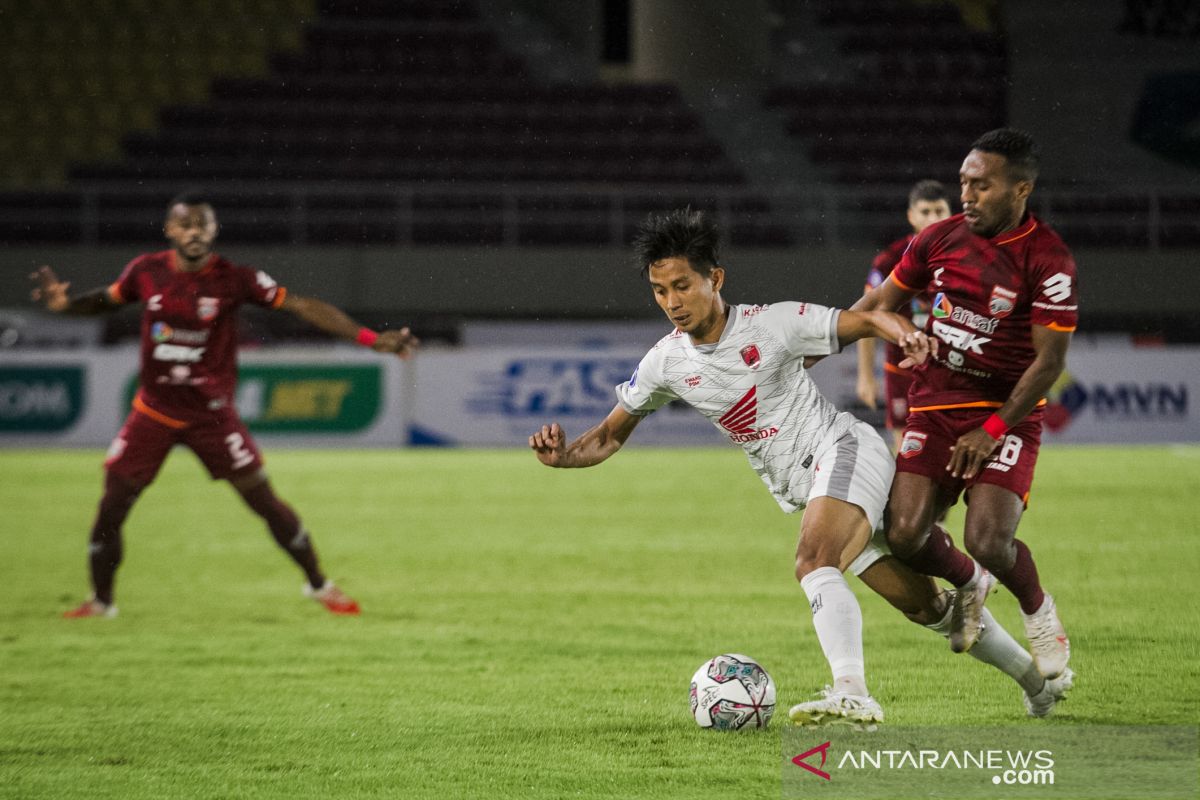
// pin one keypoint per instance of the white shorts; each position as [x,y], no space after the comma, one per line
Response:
[858,468]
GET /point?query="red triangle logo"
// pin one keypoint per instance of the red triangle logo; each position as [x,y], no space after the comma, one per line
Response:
[741,418]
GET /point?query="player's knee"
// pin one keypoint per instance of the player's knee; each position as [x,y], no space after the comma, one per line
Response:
[906,533]
[991,546]
[813,555]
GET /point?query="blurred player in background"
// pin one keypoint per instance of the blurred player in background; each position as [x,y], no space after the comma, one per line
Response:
[190,297]
[1004,307]
[928,202]
[743,367]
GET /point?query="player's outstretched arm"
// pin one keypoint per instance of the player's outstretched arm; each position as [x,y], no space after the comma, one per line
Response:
[887,296]
[855,325]
[52,294]
[866,387]
[550,443]
[336,322]
[1050,358]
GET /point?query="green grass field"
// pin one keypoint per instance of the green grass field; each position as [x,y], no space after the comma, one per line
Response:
[526,632]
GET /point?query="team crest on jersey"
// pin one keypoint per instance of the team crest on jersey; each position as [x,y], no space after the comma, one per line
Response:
[751,355]
[206,307]
[1002,302]
[912,444]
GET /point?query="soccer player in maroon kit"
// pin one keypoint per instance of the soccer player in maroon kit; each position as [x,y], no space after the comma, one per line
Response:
[928,203]
[186,386]
[1004,307]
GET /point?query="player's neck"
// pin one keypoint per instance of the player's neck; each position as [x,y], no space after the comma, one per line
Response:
[1012,224]
[185,264]
[712,333]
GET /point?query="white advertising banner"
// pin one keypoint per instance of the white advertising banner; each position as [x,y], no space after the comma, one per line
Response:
[499,396]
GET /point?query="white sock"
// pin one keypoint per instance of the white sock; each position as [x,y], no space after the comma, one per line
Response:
[997,647]
[837,619]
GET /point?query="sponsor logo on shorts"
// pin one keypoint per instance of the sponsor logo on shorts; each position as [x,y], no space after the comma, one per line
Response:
[751,355]
[912,444]
[1002,301]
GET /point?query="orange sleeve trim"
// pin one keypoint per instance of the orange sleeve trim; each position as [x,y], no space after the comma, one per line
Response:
[280,296]
[896,370]
[140,406]
[114,291]
[892,277]
[1054,326]
[977,404]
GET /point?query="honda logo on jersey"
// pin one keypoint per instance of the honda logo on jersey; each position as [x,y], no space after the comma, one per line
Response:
[751,355]
[739,420]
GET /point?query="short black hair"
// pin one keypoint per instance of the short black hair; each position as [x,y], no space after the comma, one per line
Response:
[929,191]
[1020,152]
[682,233]
[190,197]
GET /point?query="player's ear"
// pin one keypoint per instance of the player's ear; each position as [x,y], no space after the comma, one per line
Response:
[717,276]
[1024,189]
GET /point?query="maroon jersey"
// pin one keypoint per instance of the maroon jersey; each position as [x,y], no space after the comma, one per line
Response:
[987,294]
[917,309]
[189,331]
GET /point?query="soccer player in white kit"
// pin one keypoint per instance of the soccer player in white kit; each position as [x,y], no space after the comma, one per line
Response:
[743,368]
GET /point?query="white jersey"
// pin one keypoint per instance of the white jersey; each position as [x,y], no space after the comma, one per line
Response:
[753,386]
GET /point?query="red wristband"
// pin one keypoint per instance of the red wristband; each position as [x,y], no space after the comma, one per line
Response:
[366,337]
[995,427]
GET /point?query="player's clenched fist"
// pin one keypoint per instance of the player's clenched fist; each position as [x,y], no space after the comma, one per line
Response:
[549,444]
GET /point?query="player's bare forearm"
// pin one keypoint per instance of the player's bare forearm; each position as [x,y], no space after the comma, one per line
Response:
[1048,363]
[592,448]
[887,296]
[52,294]
[855,325]
[974,447]
[336,322]
[865,387]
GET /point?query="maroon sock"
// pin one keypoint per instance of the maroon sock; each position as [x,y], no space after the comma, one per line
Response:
[1022,579]
[105,548]
[285,526]
[940,558]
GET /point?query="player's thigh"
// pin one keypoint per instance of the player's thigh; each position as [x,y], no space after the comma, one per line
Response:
[225,447]
[857,469]
[833,532]
[139,449]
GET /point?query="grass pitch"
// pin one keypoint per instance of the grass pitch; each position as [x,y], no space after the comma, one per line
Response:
[526,632]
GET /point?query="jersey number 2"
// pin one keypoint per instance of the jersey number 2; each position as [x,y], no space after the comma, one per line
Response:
[237,450]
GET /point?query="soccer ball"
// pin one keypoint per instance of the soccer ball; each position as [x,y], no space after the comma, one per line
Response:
[732,691]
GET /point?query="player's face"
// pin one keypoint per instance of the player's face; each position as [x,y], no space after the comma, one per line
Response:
[924,213]
[992,201]
[690,300]
[191,229]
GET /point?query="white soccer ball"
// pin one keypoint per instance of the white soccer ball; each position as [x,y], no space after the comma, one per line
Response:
[732,691]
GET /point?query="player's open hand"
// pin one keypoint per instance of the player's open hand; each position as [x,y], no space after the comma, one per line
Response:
[401,342]
[917,348]
[50,291]
[549,445]
[969,452]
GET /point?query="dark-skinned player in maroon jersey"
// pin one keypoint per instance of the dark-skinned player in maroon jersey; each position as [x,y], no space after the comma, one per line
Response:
[928,203]
[1004,307]
[190,297]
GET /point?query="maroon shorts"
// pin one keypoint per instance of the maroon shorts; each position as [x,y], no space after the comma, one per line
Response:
[221,441]
[930,435]
[895,395]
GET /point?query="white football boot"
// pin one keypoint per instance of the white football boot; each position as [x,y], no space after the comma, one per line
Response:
[838,708]
[1054,691]
[1047,639]
[966,612]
